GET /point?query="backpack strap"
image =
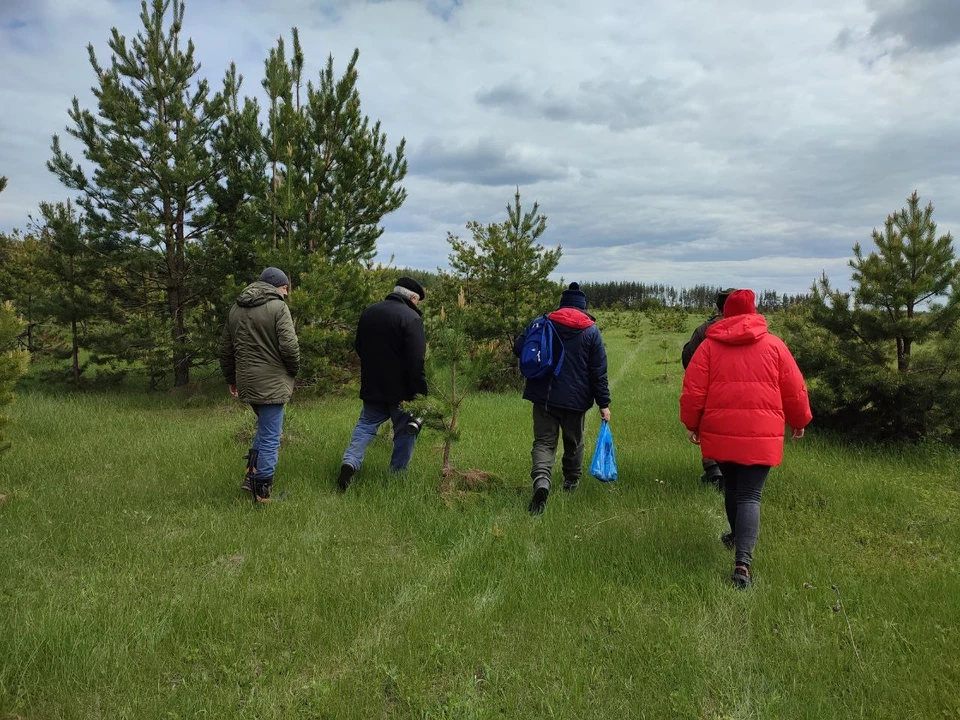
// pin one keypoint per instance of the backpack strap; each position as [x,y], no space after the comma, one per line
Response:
[563,349]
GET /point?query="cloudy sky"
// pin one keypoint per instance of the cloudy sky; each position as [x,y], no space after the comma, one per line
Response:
[733,142]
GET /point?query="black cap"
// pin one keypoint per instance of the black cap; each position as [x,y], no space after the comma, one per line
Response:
[412,285]
[722,296]
[573,296]
[274,276]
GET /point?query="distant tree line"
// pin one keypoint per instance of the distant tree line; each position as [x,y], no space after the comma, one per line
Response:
[630,295]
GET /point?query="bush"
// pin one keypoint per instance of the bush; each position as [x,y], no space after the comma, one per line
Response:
[13,363]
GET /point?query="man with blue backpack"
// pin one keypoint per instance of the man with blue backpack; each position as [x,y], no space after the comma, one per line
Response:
[563,358]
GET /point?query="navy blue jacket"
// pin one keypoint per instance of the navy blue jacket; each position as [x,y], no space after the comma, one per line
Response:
[583,375]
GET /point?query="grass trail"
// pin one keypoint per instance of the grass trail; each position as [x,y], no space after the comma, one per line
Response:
[136,582]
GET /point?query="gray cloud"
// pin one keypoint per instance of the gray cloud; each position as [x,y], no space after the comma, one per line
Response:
[483,162]
[920,24]
[619,105]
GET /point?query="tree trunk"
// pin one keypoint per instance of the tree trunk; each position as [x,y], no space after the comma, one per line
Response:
[176,298]
[455,406]
[903,354]
[76,355]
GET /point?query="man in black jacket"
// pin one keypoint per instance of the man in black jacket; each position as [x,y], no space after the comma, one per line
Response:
[392,347]
[560,403]
[711,471]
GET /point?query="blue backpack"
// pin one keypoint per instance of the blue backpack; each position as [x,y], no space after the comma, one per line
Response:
[536,357]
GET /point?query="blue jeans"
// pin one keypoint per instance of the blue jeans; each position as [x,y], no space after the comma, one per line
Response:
[372,416]
[266,441]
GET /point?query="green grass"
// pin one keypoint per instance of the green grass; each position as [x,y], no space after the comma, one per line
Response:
[136,582]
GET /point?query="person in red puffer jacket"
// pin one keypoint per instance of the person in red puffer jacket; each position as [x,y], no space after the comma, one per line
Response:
[742,385]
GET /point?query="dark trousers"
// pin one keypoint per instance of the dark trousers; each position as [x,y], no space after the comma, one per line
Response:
[547,425]
[743,486]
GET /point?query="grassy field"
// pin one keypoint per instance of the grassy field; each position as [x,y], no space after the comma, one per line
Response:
[136,582]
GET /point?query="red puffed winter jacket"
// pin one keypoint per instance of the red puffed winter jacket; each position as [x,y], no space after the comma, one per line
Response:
[740,388]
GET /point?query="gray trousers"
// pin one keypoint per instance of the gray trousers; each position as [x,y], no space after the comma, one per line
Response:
[743,488]
[547,425]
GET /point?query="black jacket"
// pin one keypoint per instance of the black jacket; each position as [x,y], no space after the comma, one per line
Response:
[583,375]
[391,346]
[699,335]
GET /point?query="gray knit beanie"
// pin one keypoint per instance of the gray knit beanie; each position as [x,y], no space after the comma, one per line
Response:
[274,276]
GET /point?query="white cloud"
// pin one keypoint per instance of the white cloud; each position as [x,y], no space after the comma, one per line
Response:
[684,141]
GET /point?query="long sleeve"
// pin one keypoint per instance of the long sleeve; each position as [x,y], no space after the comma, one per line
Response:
[599,387]
[793,391]
[696,381]
[287,338]
[415,351]
[699,335]
[228,358]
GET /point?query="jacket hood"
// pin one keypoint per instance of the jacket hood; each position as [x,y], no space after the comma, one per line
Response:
[572,318]
[258,293]
[739,329]
[741,302]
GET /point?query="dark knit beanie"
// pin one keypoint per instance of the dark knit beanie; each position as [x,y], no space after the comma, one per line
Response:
[573,297]
[413,286]
[274,276]
[722,296]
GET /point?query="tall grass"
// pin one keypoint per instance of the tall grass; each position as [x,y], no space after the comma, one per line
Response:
[136,582]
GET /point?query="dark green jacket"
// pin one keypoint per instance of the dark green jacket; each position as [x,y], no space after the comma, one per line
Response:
[259,352]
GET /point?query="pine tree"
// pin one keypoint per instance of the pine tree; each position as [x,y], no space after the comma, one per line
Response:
[330,178]
[24,280]
[149,143]
[71,263]
[13,361]
[883,358]
[505,271]
[910,268]
[456,364]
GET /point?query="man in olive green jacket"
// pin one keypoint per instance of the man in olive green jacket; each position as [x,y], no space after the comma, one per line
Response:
[260,357]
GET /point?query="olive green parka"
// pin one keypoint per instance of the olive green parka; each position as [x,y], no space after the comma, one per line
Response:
[259,351]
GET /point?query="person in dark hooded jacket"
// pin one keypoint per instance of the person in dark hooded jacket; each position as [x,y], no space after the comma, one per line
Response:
[392,349]
[560,403]
[711,471]
[259,358]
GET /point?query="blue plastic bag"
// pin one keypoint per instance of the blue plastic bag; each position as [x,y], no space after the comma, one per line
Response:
[604,464]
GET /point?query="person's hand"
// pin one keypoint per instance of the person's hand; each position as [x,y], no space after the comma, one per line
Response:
[233,391]
[797,434]
[605,414]
[693,437]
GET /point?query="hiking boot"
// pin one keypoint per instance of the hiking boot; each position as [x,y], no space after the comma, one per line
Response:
[247,485]
[261,489]
[711,476]
[729,540]
[539,500]
[346,477]
[571,485]
[741,578]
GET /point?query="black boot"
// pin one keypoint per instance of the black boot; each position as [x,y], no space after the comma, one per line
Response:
[346,476]
[261,489]
[541,489]
[251,459]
